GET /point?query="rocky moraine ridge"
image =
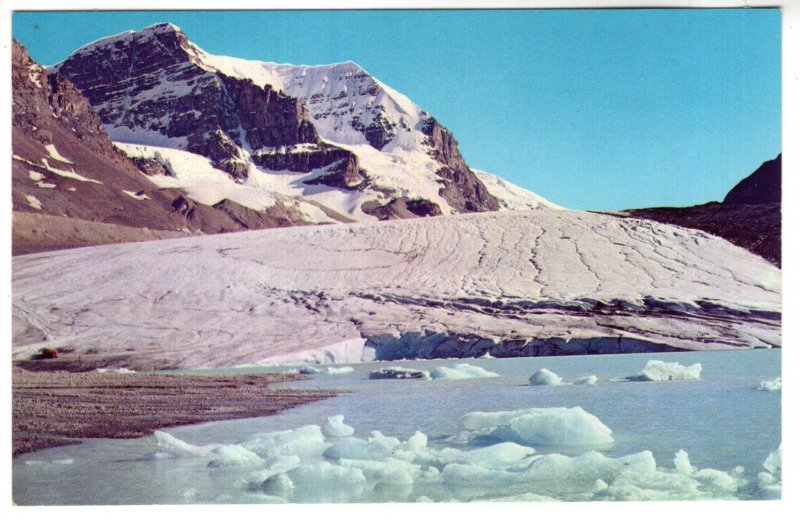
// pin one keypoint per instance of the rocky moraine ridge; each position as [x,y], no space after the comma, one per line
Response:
[155,87]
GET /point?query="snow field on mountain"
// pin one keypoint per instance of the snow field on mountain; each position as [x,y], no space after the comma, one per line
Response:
[330,463]
[511,196]
[208,185]
[338,95]
[310,294]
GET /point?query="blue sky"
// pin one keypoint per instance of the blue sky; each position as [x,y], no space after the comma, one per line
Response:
[601,109]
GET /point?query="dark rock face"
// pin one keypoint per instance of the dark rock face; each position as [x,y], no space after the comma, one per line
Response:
[749,217]
[763,186]
[402,207]
[462,189]
[151,166]
[148,85]
[42,101]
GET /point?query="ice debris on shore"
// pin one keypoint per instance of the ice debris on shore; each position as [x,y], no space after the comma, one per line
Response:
[461,372]
[770,385]
[399,373]
[657,371]
[328,464]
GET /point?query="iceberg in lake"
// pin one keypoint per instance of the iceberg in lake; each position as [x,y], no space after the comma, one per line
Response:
[540,426]
[328,464]
[461,372]
[545,377]
[399,373]
[657,370]
[770,385]
[334,427]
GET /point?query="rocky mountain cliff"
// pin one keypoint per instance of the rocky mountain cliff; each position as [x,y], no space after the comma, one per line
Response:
[763,186]
[749,216]
[71,186]
[333,134]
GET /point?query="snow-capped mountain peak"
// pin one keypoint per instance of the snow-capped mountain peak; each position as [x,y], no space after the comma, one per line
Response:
[345,137]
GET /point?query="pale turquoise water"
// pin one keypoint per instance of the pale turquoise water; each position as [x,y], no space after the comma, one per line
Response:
[721,421]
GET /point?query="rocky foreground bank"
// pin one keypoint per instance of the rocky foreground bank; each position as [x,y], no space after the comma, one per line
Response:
[58,408]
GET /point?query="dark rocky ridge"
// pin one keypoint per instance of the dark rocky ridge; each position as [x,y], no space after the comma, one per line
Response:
[462,189]
[763,186]
[151,80]
[749,216]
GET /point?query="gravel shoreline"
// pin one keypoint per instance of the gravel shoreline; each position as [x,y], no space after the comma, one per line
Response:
[52,408]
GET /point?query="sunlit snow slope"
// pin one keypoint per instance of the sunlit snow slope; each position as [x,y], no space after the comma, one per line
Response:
[511,283]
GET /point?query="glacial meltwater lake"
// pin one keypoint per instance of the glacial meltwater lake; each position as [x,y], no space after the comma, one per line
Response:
[725,427]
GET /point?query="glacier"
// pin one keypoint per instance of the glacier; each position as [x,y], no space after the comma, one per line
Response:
[527,283]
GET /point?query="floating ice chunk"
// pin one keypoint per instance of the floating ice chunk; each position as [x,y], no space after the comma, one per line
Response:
[770,385]
[357,449]
[500,455]
[279,485]
[416,441]
[274,466]
[388,442]
[303,441]
[682,464]
[465,475]
[657,370]
[718,483]
[390,471]
[590,466]
[338,370]
[233,456]
[589,380]
[769,482]
[326,475]
[179,448]
[461,372]
[540,426]
[309,370]
[545,377]
[399,373]
[334,427]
